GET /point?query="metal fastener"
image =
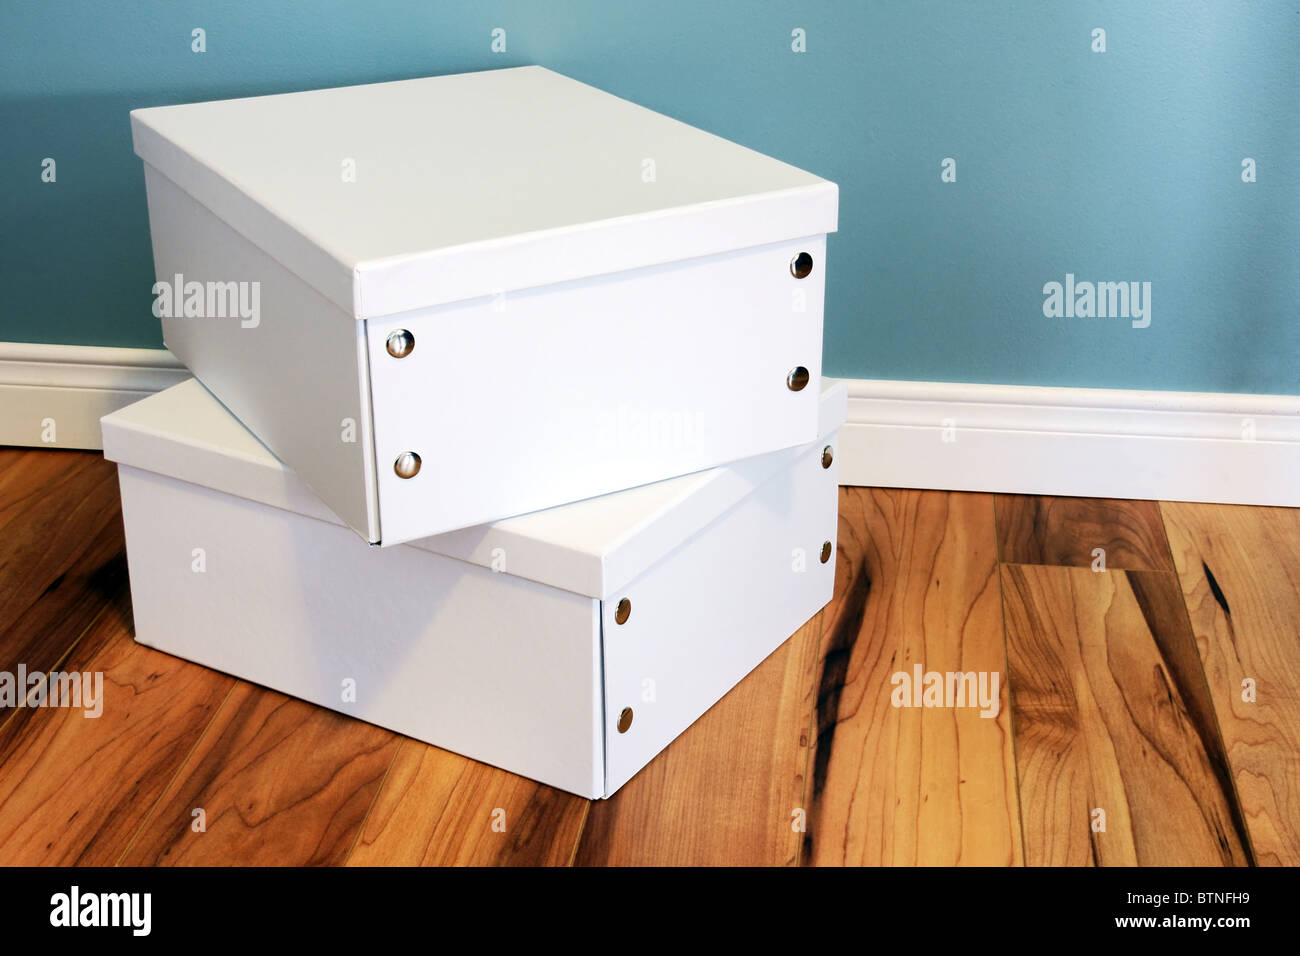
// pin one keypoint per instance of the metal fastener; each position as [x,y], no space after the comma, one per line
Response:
[797,379]
[826,552]
[828,456]
[625,720]
[623,611]
[400,343]
[801,265]
[407,465]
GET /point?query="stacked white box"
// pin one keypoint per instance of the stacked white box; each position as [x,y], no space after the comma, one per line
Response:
[559,355]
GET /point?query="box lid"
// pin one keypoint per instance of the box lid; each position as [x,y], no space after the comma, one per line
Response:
[396,196]
[591,547]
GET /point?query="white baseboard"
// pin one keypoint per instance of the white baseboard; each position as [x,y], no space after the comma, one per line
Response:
[52,396]
[1104,443]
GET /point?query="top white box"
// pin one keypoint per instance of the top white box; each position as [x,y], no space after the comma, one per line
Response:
[532,289]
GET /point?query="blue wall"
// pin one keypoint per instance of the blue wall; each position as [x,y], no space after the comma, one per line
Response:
[1115,166]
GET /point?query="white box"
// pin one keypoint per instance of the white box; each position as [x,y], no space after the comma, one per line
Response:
[599,296]
[501,642]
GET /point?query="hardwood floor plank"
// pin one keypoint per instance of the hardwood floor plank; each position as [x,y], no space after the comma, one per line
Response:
[114,618]
[730,790]
[1038,529]
[279,782]
[1239,568]
[1115,697]
[916,584]
[437,808]
[74,788]
[1110,713]
[64,555]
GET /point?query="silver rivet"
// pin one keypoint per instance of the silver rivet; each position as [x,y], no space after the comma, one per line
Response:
[400,343]
[407,465]
[801,265]
[623,611]
[797,379]
[826,552]
[828,456]
[625,720]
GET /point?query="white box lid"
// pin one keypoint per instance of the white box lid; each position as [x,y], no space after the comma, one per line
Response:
[590,547]
[472,184]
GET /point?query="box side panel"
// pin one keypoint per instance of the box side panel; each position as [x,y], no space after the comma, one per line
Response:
[497,668]
[594,386]
[712,610]
[288,362]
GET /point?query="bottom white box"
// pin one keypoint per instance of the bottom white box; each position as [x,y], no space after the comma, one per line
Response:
[500,642]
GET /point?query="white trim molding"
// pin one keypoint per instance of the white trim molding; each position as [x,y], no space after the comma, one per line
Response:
[1105,443]
[52,396]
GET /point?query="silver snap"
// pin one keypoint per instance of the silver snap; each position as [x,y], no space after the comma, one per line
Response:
[828,456]
[801,265]
[400,343]
[623,611]
[797,379]
[625,720]
[826,552]
[407,465]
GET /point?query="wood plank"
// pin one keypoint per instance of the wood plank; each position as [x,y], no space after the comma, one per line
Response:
[730,790]
[1038,529]
[1111,712]
[1239,568]
[1116,700]
[64,554]
[916,583]
[279,781]
[74,788]
[113,620]
[437,808]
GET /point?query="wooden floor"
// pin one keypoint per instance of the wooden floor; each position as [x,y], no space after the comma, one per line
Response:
[1126,638]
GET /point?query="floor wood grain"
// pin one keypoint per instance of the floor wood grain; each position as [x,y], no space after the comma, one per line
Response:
[75,788]
[1240,573]
[278,782]
[1105,723]
[63,555]
[916,585]
[730,790]
[1037,529]
[441,809]
[1119,688]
